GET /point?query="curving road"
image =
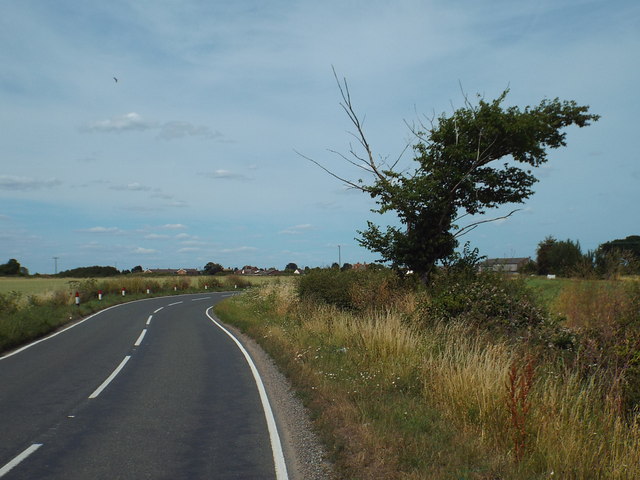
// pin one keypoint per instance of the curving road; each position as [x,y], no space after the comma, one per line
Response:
[148,389]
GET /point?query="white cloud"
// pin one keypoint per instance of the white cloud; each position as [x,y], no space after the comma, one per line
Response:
[174,226]
[122,123]
[144,251]
[297,229]
[176,129]
[10,182]
[166,130]
[131,187]
[222,174]
[102,230]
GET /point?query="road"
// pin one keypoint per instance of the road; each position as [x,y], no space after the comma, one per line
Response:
[148,389]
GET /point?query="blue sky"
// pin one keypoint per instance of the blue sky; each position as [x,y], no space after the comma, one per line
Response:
[191,156]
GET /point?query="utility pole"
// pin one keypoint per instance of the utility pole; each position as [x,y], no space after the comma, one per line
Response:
[339,257]
[55,265]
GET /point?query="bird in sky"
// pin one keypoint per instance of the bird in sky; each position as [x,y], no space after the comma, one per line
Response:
[115,79]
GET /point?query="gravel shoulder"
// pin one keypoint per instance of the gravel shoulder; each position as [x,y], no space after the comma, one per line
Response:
[305,455]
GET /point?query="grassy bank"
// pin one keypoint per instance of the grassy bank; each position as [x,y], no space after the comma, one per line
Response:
[439,400]
[33,308]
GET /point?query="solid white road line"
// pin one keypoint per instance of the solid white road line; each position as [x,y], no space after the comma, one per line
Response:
[13,463]
[99,390]
[149,319]
[276,446]
[139,340]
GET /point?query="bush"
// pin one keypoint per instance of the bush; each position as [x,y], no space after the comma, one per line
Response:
[488,300]
[351,289]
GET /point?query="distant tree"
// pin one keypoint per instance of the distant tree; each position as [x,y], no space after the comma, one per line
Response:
[475,159]
[335,266]
[630,244]
[213,268]
[137,269]
[614,262]
[558,257]
[291,267]
[12,267]
[346,266]
[86,272]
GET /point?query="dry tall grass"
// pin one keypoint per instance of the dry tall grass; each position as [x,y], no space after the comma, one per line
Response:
[365,368]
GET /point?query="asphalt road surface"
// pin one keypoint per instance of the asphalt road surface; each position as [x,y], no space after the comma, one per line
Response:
[149,389]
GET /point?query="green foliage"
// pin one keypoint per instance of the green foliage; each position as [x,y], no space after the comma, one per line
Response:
[630,244]
[213,268]
[558,257]
[350,289]
[87,272]
[12,267]
[488,300]
[457,174]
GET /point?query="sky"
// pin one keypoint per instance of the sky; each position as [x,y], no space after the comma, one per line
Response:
[194,154]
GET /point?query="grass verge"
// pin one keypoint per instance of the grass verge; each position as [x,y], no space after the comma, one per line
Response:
[397,402]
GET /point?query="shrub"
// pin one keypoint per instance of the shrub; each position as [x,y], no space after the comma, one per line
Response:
[486,299]
[351,289]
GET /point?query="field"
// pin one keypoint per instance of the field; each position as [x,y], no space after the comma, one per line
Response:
[34,285]
[45,285]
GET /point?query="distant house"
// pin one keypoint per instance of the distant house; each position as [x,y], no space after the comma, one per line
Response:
[507,265]
[359,266]
[173,271]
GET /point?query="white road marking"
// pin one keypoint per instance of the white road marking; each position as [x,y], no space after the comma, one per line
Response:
[157,310]
[139,340]
[175,303]
[198,299]
[99,390]
[13,463]
[276,446]
[57,333]
[149,319]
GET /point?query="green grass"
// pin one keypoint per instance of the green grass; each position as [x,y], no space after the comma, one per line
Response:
[546,290]
[34,285]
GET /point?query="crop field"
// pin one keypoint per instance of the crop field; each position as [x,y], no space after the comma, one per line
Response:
[46,285]
[34,286]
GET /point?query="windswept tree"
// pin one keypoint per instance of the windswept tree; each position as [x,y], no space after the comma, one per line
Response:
[475,159]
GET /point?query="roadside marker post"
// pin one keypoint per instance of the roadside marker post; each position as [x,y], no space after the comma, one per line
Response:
[123,292]
[77,299]
[99,294]
[148,291]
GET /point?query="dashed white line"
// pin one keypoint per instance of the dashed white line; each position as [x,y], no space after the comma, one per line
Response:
[149,319]
[139,340]
[175,303]
[157,310]
[198,299]
[99,390]
[13,463]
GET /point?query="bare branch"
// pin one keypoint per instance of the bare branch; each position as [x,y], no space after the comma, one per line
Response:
[343,180]
[472,226]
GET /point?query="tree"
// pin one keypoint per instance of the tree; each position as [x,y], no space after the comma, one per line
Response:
[463,164]
[213,268]
[630,244]
[12,267]
[291,267]
[558,257]
[137,269]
